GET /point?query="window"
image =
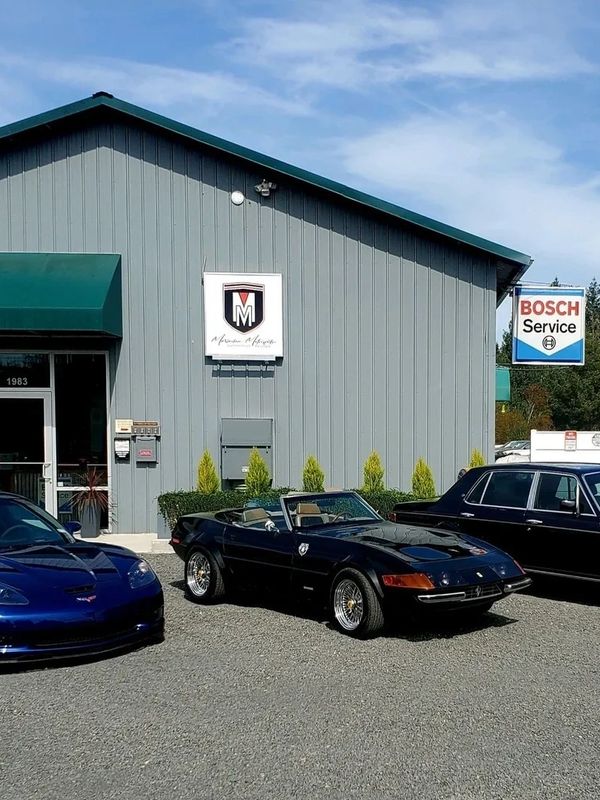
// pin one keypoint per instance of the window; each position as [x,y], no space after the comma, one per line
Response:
[553,488]
[477,491]
[510,489]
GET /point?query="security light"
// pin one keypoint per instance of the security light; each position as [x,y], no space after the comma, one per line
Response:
[265,187]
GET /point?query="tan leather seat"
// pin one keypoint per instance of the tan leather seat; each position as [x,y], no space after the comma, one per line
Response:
[308,514]
[254,515]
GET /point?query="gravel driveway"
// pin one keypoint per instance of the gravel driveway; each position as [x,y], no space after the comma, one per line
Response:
[258,702]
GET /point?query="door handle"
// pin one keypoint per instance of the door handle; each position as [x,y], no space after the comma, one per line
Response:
[466,514]
[534,521]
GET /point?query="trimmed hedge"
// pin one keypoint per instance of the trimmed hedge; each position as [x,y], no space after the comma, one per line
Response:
[173,505]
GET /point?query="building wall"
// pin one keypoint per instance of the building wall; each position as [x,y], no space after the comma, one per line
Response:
[389,335]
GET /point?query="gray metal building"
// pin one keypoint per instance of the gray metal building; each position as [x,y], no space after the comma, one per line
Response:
[388,317]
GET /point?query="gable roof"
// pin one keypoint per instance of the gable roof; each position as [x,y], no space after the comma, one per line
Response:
[511,263]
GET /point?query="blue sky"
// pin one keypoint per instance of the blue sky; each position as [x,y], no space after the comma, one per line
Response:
[484,115]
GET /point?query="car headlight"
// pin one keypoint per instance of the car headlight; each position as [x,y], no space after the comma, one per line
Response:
[141,574]
[11,597]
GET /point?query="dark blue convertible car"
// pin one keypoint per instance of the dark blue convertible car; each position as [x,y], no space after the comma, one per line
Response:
[334,547]
[62,597]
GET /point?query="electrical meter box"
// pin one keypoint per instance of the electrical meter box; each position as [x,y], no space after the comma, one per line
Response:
[238,437]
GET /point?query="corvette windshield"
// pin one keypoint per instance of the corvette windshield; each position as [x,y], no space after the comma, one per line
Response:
[22,525]
[332,508]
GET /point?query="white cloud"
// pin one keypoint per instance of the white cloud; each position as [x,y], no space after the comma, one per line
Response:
[491,175]
[150,84]
[360,43]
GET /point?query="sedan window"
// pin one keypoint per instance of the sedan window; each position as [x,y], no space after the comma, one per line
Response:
[508,488]
[553,488]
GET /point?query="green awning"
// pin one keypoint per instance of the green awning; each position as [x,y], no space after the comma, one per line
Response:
[52,292]
[503,384]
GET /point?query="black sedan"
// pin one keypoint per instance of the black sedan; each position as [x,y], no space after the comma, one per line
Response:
[63,597]
[334,547]
[547,516]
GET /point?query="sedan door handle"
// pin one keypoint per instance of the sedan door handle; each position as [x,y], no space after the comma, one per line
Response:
[466,514]
[534,521]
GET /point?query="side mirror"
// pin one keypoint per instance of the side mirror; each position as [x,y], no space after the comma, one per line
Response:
[271,527]
[568,505]
[72,527]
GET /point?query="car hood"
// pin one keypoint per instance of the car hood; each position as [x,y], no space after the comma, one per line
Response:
[53,566]
[416,543]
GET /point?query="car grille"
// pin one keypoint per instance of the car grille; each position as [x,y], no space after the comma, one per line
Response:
[80,634]
[482,591]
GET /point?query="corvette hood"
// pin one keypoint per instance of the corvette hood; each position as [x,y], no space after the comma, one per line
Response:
[56,567]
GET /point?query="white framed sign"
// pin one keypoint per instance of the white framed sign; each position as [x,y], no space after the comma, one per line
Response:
[243,316]
[548,325]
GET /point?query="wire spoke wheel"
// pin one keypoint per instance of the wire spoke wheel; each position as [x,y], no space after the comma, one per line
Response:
[348,604]
[198,574]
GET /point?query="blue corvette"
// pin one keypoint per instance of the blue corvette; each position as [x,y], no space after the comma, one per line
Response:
[63,597]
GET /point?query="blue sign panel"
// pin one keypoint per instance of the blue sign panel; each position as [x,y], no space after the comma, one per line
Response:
[548,325]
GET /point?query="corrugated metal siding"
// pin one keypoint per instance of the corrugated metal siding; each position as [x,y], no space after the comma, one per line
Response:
[389,336]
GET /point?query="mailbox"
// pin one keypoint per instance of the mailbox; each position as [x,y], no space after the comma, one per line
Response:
[238,437]
[145,449]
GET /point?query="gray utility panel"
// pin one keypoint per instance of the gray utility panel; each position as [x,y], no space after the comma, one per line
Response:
[238,437]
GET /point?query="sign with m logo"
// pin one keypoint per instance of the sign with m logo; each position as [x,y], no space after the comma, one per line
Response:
[243,305]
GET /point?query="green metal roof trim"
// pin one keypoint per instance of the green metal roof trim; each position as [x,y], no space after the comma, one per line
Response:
[49,292]
[102,99]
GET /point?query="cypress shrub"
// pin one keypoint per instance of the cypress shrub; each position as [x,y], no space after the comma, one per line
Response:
[373,473]
[423,485]
[207,479]
[313,477]
[258,479]
[477,459]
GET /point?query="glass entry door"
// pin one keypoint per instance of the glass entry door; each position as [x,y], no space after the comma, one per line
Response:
[26,446]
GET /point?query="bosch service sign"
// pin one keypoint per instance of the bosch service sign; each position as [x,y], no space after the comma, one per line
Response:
[243,317]
[548,325]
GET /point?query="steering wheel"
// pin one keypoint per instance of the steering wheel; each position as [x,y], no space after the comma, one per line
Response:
[341,515]
[12,528]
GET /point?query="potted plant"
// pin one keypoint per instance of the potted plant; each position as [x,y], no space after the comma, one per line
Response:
[90,502]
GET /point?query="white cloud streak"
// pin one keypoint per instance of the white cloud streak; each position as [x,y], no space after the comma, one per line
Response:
[359,43]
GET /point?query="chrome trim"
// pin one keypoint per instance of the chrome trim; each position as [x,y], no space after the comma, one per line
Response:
[515,586]
[448,597]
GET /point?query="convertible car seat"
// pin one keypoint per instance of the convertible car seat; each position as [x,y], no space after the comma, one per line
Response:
[251,516]
[308,514]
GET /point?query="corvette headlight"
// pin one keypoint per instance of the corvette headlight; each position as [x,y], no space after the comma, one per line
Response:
[141,574]
[11,597]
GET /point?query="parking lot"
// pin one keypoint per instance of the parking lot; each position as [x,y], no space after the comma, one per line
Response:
[265,702]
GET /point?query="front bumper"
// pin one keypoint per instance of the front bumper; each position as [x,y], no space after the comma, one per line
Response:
[480,593]
[82,638]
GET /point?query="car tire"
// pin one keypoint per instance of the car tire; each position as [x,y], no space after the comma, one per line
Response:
[203,577]
[354,608]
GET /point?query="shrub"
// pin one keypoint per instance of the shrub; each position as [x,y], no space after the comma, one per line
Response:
[477,459]
[313,477]
[423,485]
[207,480]
[373,474]
[258,479]
[384,500]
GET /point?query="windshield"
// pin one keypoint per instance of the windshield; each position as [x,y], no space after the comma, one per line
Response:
[20,524]
[332,508]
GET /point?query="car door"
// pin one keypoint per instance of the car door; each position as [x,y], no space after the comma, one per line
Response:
[312,560]
[494,510]
[260,554]
[562,540]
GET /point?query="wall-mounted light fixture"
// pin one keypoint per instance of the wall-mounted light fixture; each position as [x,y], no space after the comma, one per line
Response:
[237,198]
[265,187]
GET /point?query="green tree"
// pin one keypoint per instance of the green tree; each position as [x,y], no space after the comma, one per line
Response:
[313,477]
[207,479]
[423,484]
[477,459]
[258,480]
[373,473]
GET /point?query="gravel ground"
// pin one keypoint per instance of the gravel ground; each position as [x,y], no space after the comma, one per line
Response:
[258,702]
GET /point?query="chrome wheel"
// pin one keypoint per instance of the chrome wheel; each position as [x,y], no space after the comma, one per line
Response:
[198,574]
[348,604]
